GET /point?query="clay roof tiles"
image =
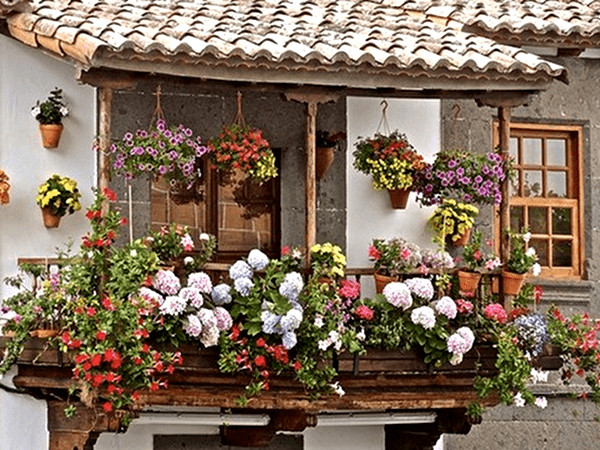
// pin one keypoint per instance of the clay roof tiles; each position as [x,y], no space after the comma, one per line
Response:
[387,36]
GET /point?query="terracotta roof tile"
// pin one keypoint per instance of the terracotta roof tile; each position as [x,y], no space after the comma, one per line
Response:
[387,36]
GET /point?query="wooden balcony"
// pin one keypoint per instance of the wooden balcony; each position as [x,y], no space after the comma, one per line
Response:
[388,381]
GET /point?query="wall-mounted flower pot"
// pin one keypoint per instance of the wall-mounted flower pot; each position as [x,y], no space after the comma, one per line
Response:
[463,239]
[399,198]
[512,282]
[325,157]
[468,281]
[51,134]
[51,220]
[381,281]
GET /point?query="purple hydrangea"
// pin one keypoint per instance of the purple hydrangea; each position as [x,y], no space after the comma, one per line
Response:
[221,294]
[166,282]
[291,320]
[240,269]
[533,332]
[270,322]
[243,286]
[398,294]
[289,340]
[258,260]
[200,281]
[421,287]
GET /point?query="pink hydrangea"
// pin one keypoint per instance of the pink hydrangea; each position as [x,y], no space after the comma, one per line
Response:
[166,282]
[398,294]
[464,306]
[200,281]
[495,311]
[224,321]
[364,312]
[457,344]
[349,289]
[446,307]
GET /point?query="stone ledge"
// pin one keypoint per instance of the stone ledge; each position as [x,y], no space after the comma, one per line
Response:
[566,292]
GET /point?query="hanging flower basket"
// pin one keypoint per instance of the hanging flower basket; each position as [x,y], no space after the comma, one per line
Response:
[463,239]
[51,135]
[468,281]
[51,220]
[512,282]
[399,198]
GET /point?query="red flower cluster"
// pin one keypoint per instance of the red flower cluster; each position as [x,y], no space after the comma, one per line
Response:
[495,311]
[364,312]
[464,306]
[349,289]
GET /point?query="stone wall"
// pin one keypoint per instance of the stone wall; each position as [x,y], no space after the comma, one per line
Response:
[205,110]
[565,423]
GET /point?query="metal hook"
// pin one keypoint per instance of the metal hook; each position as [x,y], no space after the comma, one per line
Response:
[385,105]
[456,110]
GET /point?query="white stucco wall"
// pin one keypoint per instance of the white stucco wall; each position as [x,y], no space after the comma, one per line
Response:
[27,75]
[369,213]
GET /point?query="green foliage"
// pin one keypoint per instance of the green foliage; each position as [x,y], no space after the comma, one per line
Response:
[52,110]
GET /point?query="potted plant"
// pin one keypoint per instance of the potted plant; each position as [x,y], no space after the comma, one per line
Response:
[393,257]
[475,259]
[520,261]
[243,147]
[327,261]
[465,176]
[392,162]
[172,153]
[4,188]
[49,114]
[57,196]
[452,221]
[327,144]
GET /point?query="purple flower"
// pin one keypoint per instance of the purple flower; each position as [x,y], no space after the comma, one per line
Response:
[452,163]
[162,170]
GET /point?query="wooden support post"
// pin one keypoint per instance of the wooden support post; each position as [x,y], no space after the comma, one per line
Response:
[310,178]
[312,98]
[104,129]
[504,132]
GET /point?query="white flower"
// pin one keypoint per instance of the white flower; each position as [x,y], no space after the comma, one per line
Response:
[424,316]
[536,269]
[133,253]
[35,111]
[318,321]
[530,252]
[518,400]
[204,237]
[539,376]
[64,111]
[526,237]
[188,260]
[324,344]
[541,402]
[456,359]
[337,388]
[361,335]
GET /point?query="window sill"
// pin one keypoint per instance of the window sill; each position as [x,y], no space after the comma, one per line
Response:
[565,292]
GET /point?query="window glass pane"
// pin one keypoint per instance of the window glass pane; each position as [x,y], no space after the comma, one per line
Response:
[516,217]
[562,253]
[556,152]
[532,151]
[513,146]
[561,221]
[532,184]
[541,248]
[513,186]
[556,184]
[538,220]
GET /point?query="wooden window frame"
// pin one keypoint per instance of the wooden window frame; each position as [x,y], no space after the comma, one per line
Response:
[573,134]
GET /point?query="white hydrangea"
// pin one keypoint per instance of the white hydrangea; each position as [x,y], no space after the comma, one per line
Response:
[424,316]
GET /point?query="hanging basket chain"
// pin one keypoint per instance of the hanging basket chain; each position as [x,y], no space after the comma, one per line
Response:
[384,120]
[158,113]
[239,118]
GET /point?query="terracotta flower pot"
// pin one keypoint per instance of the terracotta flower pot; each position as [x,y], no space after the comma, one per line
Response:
[512,282]
[44,333]
[399,198]
[51,220]
[382,281]
[51,135]
[468,281]
[463,239]
[325,157]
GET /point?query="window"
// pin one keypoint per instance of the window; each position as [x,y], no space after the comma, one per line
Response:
[241,214]
[546,194]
